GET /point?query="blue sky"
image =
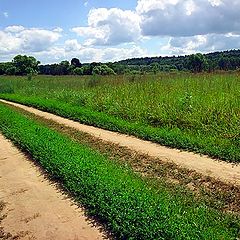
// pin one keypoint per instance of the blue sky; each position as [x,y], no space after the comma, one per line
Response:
[111,30]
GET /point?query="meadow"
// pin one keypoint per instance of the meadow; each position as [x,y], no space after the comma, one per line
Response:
[197,112]
[127,204]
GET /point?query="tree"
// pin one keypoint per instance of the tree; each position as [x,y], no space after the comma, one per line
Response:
[4,66]
[117,68]
[78,71]
[65,63]
[76,63]
[197,62]
[24,63]
[102,70]
[224,63]
[11,70]
[93,65]
[63,67]
[155,67]
[71,69]
[87,70]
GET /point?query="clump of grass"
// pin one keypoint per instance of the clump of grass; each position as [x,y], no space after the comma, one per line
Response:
[129,206]
[6,88]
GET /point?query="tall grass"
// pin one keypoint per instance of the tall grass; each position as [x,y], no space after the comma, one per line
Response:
[128,205]
[204,107]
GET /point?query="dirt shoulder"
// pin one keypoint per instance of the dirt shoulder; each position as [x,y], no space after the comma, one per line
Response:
[223,171]
[33,208]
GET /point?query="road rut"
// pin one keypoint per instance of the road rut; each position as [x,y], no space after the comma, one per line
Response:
[35,208]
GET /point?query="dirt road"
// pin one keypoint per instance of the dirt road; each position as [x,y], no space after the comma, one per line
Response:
[221,170]
[35,209]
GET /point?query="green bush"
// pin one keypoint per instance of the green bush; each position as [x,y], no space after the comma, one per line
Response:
[78,71]
[102,70]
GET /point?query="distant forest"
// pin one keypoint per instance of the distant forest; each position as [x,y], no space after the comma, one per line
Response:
[225,61]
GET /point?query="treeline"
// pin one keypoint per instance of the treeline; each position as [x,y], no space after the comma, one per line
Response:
[27,65]
[76,68]
[227,60]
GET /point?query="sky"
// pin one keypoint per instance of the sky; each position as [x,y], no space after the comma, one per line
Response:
[111,30]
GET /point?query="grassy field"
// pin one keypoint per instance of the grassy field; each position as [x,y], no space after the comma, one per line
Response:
[131,207]
[194,112]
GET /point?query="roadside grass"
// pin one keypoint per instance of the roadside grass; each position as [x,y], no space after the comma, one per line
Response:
[128,205]
[200,113]
[214,193]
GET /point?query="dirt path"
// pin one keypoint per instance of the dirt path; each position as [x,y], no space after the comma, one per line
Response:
[223,171]
[35,209]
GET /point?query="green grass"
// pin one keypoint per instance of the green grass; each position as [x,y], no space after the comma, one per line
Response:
[200,113]
[128,205]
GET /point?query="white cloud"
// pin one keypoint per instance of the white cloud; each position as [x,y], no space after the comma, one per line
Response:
[188,17]
[146,6]
[5,14]
[36,40]
[191,26]
[110,27]
[14,29]
[9,43]
[202,43]
[72,45]
[58,30]
[92,34]
[44,45]
[90,54]
[215,2]
[174,18]
[17,39]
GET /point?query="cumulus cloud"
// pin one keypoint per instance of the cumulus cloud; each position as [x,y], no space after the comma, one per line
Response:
[17,39]
[44,45]
[88,54]
[188,17]
[114,34]
[9,43]
[202,43]
[72,45]
[110,27]
[36,40]
[189,22]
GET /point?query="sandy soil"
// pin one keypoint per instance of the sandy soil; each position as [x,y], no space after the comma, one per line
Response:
[220,170]
[35,209]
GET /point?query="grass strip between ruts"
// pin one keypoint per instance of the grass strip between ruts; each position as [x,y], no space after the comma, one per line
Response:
[120,199]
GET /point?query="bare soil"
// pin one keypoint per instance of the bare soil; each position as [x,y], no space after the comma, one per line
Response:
[219,170]
[31,207]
